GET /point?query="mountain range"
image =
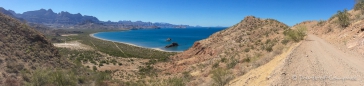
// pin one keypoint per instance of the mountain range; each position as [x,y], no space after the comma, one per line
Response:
[66,20]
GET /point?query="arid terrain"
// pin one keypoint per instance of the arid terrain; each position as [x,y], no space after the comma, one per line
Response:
[254,52]
[313,62]
[331,54]
[316,62]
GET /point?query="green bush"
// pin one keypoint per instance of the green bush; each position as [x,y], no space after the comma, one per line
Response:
[343,18]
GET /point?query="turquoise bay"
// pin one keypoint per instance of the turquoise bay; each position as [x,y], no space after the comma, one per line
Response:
[157,38]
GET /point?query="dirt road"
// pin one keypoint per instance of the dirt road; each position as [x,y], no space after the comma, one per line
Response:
[316,62]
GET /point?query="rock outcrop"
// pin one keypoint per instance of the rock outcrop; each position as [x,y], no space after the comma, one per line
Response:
[174,44]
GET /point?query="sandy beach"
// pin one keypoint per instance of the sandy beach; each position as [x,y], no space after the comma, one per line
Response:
[92,35]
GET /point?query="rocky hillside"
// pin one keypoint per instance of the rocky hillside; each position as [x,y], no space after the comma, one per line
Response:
[23,49]
[232,51]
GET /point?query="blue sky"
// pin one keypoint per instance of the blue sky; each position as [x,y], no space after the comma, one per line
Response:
[189,12]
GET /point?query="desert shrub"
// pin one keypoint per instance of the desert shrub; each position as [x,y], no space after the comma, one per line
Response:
[247,50]
[296,35]
[113,61]
[221,76]
[40,78]
[269,48]
[175,81]
[62,78]
[101,64]
[215,65]
[246,59]
[94,68]
[186,75]
[223,59]
[232,63]
[151,62]
[102,76]
[343,18]
[149,70]
[284,41]
[11,82]
[120,64]
[321,22]
[268,41]
[103,61]
[359,5]
[43,77]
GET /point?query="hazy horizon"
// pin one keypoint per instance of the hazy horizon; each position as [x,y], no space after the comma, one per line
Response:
[205,13]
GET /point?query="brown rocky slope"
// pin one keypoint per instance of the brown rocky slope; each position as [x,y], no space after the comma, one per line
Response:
[237,49]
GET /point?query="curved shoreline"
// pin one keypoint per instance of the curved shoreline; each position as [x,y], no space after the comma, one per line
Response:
[92,35]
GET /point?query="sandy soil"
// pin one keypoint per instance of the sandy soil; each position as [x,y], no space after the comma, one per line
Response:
[314,63]
[69,35]
[73,45]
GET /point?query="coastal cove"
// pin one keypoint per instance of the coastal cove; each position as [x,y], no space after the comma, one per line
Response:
[157,38]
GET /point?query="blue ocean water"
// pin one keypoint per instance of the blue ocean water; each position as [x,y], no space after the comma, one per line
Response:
[157,38]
